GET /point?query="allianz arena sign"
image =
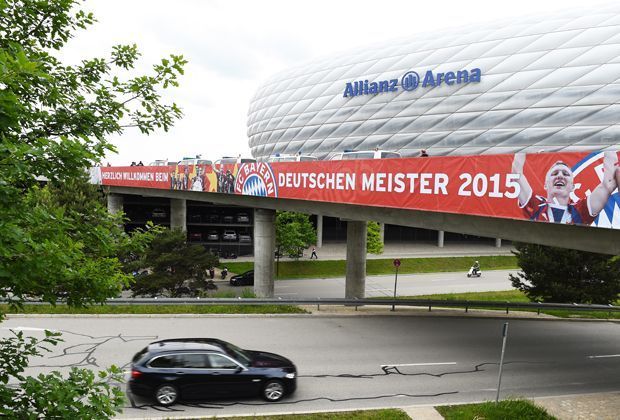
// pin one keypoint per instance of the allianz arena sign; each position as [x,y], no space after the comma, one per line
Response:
[412,80]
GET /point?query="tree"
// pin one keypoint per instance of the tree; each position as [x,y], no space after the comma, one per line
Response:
[173,266]
[82,395]
[54,121]
[294,232]
[565,275]
[374,244]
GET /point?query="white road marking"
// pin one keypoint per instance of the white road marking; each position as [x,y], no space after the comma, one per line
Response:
[419,364]
[27,329]
[603,356]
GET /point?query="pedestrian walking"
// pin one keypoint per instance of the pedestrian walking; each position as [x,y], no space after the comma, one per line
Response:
[313,255]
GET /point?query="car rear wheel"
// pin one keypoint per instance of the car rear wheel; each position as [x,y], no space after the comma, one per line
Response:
[166,394]
[273,391]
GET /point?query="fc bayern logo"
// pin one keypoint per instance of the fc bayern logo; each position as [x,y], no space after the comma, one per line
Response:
[256,178]
[588,173]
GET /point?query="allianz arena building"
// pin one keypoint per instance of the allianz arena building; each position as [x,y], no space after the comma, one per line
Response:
[537,83]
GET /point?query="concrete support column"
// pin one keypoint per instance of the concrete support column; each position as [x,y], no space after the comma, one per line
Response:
[178,214]
[356,260]
[319,230]
[264,248]
[498,242]
[382,232]
[440,238]
[115,203]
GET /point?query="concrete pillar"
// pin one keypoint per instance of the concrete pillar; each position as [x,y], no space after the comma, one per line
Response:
[319,230]
[264,248]
[178,214]
[115,203]
[356,260]
[498,242]
[382,232]
[440,238]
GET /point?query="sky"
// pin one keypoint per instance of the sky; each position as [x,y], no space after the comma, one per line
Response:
[233,46]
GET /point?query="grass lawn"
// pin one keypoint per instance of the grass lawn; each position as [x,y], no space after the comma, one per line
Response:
[336,268]
[517,296]
[505,410]
[156,309]
[387,414]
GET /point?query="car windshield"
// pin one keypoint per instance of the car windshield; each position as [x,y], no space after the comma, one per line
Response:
[241,355]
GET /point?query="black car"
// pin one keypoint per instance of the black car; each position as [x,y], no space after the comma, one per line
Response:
[206,369]
[244,279]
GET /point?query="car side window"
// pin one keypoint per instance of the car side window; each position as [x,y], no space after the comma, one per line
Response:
[167,361]
[220,362]
[195,361]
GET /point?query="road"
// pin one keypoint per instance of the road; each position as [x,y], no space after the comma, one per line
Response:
[348,362]
[408,285]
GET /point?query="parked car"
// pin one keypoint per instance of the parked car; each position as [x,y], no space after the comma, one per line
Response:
[291,158]
[195,218]
[213,235]
[159,213]
[243,218]
[205,368]
[229,235]
[228,160]
[245,238]
[364,154]
[228,219]
[213,218]
[244,279]
[159,162]
[195,161]
[195,237]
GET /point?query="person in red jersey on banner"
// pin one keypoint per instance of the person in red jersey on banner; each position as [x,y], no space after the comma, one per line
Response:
[557,206]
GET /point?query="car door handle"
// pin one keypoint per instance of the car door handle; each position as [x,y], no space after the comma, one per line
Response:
[180,373]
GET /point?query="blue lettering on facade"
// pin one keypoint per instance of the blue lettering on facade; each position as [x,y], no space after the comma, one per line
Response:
[411,81]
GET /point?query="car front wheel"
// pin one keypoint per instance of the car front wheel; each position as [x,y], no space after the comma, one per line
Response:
[166,394]
[273,391]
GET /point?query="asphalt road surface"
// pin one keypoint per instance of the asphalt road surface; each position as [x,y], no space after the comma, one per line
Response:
[348,362]
[408,285]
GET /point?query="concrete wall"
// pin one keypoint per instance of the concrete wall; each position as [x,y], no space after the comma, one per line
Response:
[567,236]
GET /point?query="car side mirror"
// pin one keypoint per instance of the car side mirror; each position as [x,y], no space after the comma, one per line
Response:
[239,369]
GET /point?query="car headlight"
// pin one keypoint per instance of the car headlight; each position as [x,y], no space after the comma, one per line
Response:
[290,375]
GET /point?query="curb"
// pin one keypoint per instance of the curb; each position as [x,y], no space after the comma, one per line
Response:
[350,313]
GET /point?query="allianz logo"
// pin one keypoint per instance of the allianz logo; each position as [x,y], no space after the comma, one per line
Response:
[411,81]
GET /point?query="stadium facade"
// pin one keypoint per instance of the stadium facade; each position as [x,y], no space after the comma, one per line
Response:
[537,83]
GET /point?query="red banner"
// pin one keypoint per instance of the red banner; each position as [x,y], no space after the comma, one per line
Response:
[572,188]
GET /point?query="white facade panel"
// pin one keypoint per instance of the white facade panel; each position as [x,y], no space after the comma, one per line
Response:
[546,83]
